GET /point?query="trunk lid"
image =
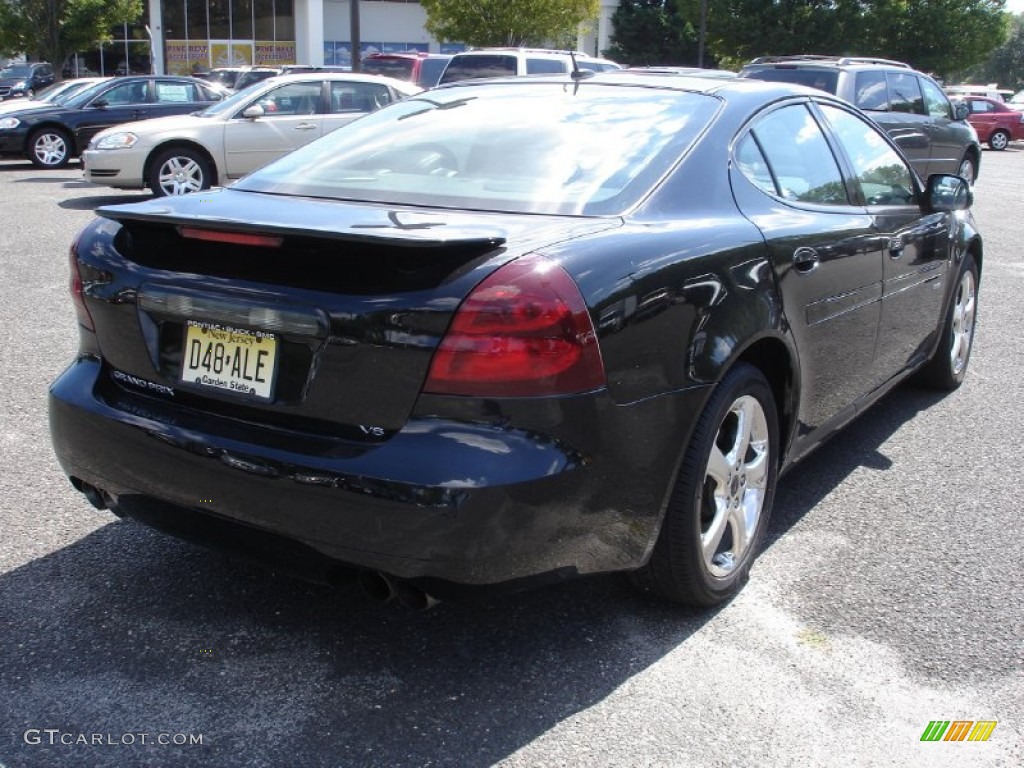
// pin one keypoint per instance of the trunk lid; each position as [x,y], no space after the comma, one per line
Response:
[327,312]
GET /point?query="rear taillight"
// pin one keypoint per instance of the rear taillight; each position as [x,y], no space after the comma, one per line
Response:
[77,294]
[522,332]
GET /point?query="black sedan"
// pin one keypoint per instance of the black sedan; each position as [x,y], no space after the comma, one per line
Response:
[50,137]
[510,331]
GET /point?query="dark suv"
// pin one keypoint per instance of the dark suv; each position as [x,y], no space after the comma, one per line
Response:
[909,105]
[25,79]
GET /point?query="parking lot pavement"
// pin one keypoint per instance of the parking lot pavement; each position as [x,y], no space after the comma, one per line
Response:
[889,596]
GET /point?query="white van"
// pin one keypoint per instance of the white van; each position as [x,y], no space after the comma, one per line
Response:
[506,62]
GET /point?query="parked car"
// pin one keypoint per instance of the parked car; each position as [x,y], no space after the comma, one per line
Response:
[422,69]
[515,330]
[995,122]
[188,153]
[502,62]
[990,91]
[908,104]
[1016,101]
[23,80]
[224,76]
[55,94]
[50,137]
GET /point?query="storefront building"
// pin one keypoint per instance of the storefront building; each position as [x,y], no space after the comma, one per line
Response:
[185,36]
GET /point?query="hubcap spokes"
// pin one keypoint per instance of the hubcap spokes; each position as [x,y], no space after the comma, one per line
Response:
[180,175]
[50,149]
[963,323]
[734,486]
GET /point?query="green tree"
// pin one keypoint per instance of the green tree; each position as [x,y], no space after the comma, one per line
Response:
[508,22]
[655,32]
[933,35]
[1006,64]
[53,29]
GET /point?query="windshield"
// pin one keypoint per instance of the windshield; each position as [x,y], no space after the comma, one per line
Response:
[83,96]
[233,102]
[569,148]
[16,71]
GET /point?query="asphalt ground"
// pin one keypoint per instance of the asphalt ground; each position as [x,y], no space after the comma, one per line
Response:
[889,595]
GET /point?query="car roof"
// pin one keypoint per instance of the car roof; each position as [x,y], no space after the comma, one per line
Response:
[811,60]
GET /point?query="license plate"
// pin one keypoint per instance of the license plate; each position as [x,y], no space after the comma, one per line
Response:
[236,360]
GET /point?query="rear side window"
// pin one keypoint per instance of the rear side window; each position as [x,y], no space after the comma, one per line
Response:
[175,92]
[822,79]
[870,91]
[544,66]
[803,168]
[358,97]
[477,66]
[905,93]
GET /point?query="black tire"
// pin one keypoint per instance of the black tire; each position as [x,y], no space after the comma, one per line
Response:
[723,490]
[948,366]
[179,171]
[49,148]
[999,140]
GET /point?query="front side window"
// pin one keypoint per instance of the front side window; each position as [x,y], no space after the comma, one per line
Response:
[126,93]
[291,99]
[802,166]
[935,100]
[882,175]
[905,93]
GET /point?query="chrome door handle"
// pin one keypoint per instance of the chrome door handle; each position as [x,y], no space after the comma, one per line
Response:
[896,247]
[805,260]
[305,126]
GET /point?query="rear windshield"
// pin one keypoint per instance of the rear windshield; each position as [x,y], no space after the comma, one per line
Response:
[253,76]
[567,148]
[400,69]
[479,65]
[822,79]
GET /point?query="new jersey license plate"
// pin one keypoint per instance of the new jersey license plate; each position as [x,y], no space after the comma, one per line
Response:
[236,360]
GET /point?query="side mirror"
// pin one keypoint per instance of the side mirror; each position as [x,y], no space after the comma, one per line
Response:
[253,112]
[960,111]
[949,193]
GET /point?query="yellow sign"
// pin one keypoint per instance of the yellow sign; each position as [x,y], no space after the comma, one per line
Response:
[273,54]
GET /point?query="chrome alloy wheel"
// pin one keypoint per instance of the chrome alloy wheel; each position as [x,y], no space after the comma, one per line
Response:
[735,484]
[50,148]
[967,170]
[962,329]
[180,175]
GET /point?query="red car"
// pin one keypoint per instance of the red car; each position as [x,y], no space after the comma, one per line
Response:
[995,122]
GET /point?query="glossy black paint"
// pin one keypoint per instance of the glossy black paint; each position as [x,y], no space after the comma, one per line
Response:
[81,123]
[355,462]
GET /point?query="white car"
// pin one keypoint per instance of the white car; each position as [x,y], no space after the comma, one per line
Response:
[188,153]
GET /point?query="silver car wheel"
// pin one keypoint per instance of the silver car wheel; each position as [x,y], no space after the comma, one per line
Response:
[963,323]
[735,484]
[967,170]
[999,140]
[50,149]
[180,175]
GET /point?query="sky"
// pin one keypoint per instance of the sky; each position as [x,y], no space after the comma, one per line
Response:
[1015,6]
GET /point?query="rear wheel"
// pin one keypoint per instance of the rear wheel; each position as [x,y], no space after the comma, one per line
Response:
[999,140]
[178,172]
[49,148]
[968,169]
[948,366]
[720,505]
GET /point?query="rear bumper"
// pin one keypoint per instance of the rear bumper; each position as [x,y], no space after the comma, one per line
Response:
[537,489]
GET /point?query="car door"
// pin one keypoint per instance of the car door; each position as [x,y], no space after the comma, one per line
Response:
[291,116]
[914,244]
[948,137]
[982,117]
[903,115]
[122,102]
[825,255]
